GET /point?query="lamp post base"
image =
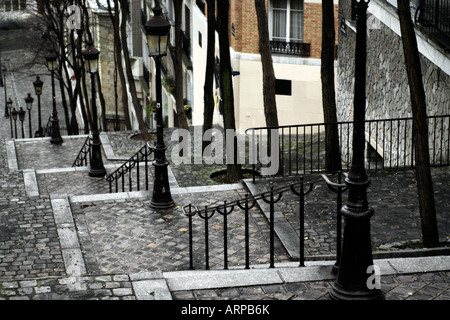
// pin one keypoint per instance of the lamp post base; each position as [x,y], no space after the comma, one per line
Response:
[337,292]
[56,135]
[162,198]
[56,140]
[355,272]
[97,172]
[161,206]
[39,133]
[97,168]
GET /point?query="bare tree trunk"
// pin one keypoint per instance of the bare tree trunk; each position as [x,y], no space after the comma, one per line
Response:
[76,92]
[80,82]
[126,54]
[102,103]
[98,84]
[333,155]
[177,58]
[118,53]
[86,102]
[418,107]
[270,104]
[55,21]
[208,92]
[234,171]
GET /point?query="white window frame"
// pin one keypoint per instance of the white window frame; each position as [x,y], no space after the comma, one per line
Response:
[288,20]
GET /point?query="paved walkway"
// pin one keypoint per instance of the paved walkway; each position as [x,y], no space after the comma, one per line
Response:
[64,236]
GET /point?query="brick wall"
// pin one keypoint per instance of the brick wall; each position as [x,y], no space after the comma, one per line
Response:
[245,39]
[313,27]
[243,17]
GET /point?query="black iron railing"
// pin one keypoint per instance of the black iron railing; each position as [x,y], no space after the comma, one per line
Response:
[84,156]
[292,48]
[125,172]
[13,5]
[245,206]
[390,144]
[434,17]
[63,129]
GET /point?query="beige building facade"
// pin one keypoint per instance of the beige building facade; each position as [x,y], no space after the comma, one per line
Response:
[300,99]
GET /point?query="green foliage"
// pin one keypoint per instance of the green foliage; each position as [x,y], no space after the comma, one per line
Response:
[169,84]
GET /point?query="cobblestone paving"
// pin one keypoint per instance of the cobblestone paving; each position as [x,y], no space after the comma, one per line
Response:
[41,154]
[71,183]
[29,245]
[187,175]
[123,143]
[393,196]
[105,287]
[128,236]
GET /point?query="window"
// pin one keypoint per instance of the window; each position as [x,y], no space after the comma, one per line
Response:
[283,87]
[201,5]
[287,20]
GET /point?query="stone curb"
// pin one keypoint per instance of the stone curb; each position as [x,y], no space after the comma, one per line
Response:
[157,285]
[11,155]
[290,273]
[68,237]
[31,185]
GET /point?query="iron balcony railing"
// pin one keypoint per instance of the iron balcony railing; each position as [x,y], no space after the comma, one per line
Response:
[434,17]
[390,145]
[291,48]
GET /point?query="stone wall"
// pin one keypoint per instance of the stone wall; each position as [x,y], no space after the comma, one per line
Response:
[387,91]
[105,40]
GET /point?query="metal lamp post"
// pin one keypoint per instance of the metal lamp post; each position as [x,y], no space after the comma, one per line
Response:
[14,113]
[157,30]
[90,55]
[38,91]
[9,105]
[21,113]
[352,281]
[3,84]
[52,64]
[29,103]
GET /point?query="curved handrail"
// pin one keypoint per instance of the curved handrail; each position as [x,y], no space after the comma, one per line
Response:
[85,153]
[142,155]
[271,197]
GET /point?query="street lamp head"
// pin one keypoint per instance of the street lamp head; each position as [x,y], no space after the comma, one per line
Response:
[29,102]
[9,103]
[21,114]
[362,4]
[38,83]
[157,30]
[90,55]
[52,60]
[14,113]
